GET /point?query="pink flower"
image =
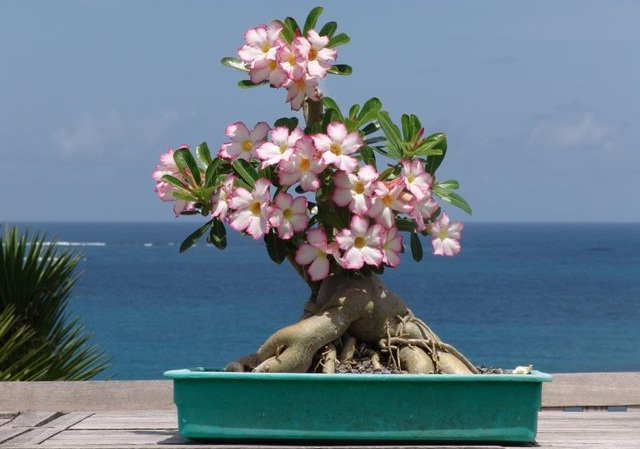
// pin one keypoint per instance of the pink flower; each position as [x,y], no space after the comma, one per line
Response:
[313,50]
[288,215]
[445,236]
[251,209]
[389,197]
[280,145]
[301,86]
[415,178]
[268,70]
[354,189]
[165,190]
[362,243]
[243,143]
[316,253]
[392,247]
[423,210]
[304,166]
[290,61]
[336,145]
[262,42]
[220,201]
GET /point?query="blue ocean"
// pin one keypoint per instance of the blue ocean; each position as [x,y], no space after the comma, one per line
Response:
[563,297]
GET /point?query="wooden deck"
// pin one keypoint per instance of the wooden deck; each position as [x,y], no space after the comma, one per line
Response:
[579,411]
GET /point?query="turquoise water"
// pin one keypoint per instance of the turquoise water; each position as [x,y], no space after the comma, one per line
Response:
[563,297]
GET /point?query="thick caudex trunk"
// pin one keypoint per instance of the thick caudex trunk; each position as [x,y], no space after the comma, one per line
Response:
[350,314]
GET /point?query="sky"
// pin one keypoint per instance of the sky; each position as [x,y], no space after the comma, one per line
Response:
[539,100]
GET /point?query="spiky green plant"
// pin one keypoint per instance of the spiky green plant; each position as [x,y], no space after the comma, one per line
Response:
[36,280]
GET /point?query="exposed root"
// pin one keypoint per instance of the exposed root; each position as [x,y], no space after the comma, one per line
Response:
[368,320]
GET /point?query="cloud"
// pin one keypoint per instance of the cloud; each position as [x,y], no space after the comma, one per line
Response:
[99,134]
[567,129]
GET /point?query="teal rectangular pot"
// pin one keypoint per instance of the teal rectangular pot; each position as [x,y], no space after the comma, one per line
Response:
[356,407]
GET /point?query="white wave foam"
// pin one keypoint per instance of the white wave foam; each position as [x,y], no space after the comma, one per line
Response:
[147,245]
[65,243]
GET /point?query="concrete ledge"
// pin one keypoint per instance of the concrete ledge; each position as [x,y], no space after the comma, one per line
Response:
[566,390]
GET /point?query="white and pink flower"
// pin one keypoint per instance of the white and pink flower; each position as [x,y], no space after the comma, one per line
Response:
[316,253]
[243,143]
[445,236]
[288,215]
[303,166]
[354,190]
[337,145]
[389,197]
[268,70]
[301,86]
[280,145]
[163,189]
[415,178]
[251,209]
[362,243]
[262,42]
[290,61]
[220,201]
[423,209]
[392,247]
[313,50]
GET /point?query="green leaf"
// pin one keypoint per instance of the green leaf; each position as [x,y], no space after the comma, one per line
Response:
[246,84]
[174,182]
[275,247]
[353,111]
[338,40]
[183,196]
[433,162]
[368,156]
[212,172]
[312,19]
[385,174]
[293,25]
[376,139]
[203,154]
[416,123]
[287,32]
[370,128]
[434,145]
[394,138]
[290,122]
[408,129]
[330,103]
[187,164]
[404,224]
[416,247]
[341,69]
[452,198]
[195,236]
[328,29]
[246,171]
[218,234]
[449,184]
[369,111]
[234,63]
[380,150]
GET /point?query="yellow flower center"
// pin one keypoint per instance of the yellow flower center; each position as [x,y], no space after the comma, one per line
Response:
[443,233]
[292,58]
[247,145]
[358,187]
[305,164]
[336,148]
[287,214]
[300,83]
[283,148]
[313,54]
[410,178]
[265,47]
[254,207]
[359,242]
[387,200]
[272,65]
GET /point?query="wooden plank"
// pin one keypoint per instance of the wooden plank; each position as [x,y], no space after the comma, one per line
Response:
[592,389]
[151,419]
[40,434]
[33,418]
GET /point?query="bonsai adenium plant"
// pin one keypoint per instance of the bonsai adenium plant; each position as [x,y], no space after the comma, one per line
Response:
[334,197]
